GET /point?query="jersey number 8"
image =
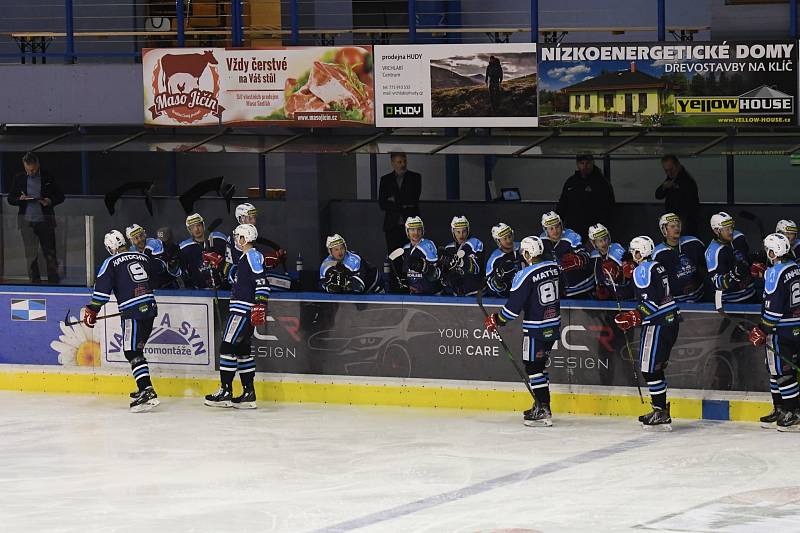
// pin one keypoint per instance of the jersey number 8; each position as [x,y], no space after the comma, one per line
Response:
[137,272]
[548,292]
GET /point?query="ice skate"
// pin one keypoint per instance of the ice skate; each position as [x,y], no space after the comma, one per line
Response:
[247,400]
[144,401]
[222,398]
[538,416]
[657,420]
[789,421]
[770,421]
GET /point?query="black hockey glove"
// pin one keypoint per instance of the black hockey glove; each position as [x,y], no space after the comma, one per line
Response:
[418,264]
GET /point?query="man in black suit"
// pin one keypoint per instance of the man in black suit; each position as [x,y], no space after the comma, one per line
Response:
[398,198]
[36,193]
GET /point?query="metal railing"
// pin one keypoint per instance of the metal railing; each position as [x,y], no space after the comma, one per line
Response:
[85,30]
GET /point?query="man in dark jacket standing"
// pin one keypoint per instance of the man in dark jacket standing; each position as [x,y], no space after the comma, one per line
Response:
[679,192]
[587,197]
[398,198]
[36,193]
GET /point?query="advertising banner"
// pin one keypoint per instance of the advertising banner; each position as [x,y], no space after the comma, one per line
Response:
[33,332]
[445,85]
[448,342]
[726,84]
[315,86]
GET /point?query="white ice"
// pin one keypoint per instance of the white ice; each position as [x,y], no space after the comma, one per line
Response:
[84,463]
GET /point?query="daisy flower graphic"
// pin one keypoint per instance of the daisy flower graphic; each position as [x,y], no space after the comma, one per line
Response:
[77,346]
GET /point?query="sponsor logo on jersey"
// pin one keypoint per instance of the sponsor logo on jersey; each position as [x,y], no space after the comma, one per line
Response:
[402,110]
[29,310]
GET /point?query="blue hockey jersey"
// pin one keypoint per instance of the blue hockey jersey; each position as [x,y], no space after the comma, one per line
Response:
[128,276]
[653,294]
[686,266]
[249,285]
[363,276]
[622,286]
[197,273]
[468,279]
[422,282]
[155,248]
[578,282]
[721,257]
[780,311]
[535,292]
[501,269]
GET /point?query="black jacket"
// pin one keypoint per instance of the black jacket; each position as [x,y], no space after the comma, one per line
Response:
[683,200]
[399,205]
[50,189]
[586,201]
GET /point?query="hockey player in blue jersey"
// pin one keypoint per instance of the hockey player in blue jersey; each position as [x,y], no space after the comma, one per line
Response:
[727,261]
[684,258]
[248,310]
[153,248]
[127,275]
[658,314]
[203,257]
[461,272]
[789,229]
[344,271]
[780,331]
[420,260]
[274,255]
[535,291]
[565,247]
[610,266]
[505,261]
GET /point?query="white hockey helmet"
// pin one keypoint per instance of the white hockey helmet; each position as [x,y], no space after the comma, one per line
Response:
[531,247]
[113,241]
[786,226]
[459,222]
[335,240]
[778,244]
[414,223]
[245,209]
[668,218]
[501,229]
[721,220]
[133,230]
[598,231]
[193,219]
[248,231]
[550,219]
[642,244]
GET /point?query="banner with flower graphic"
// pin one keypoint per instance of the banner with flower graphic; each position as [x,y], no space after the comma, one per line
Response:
[313,86]
[33,324]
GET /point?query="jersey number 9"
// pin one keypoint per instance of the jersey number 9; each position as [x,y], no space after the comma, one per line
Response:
[548,292]
[137,272]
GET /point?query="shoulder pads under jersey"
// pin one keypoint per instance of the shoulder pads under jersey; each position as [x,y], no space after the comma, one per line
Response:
[712,255]
[475,244]
[641,276]
[573,238]
[186,242]
[156,246]
[256,261]
[104,266]
[352,261]
[429,249]
[773,275]
[616,252]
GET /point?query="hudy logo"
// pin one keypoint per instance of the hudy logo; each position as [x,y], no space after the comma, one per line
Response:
[402,110]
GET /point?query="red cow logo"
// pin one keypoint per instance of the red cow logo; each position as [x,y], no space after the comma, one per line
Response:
[183,90]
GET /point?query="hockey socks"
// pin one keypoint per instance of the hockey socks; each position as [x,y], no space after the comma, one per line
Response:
[227,370]
[141,372]
[247,371]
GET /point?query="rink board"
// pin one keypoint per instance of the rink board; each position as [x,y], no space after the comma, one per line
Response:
[390,351]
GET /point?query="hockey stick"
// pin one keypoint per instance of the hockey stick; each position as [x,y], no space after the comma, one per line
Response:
[509,353]
[741,327]
[392,256]
[67,321]
[625,334]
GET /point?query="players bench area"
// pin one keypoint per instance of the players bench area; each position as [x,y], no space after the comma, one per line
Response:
[384,350]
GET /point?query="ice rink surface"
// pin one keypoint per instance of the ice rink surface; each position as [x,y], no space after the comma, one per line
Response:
[84,463]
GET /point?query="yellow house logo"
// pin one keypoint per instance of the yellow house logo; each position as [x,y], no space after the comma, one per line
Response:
[760,101]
